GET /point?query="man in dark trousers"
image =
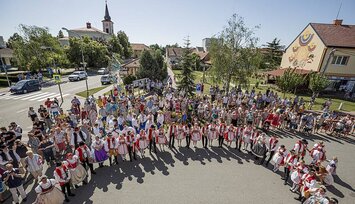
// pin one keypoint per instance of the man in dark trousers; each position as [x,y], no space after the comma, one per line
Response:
[15,183]
[77,137]
[271,146]
[130,145]
[83,152]
[151,137]
[188,135]
[172,134]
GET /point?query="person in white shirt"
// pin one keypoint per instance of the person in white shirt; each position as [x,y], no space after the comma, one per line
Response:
[34,164]
[160,119]
[77,137]
[48,193]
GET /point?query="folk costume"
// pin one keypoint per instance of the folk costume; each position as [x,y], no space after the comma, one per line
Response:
[47,193]
[77,171]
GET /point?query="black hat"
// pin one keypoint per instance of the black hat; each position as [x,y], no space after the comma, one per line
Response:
[304,141]
[57,164]
[152,126]
[81,143]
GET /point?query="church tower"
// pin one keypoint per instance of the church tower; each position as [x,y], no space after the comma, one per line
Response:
[107,24]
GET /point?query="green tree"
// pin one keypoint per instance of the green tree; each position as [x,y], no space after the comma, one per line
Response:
[115,46]
[233,54]
[186,83]
[156,47]
[12,39]
[317,83]
[124,42]
[273,55]
[196,62]
[129,79]
[289,81]
[152,66]
[36,48]
[95,53]
[60,34]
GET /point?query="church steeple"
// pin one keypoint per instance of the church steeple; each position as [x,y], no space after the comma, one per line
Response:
[107,14]
[107,24]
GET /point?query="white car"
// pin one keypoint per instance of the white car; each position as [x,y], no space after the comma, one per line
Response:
[102,71]
[77,75]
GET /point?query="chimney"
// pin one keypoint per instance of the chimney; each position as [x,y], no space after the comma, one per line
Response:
[337,21]
[88,25]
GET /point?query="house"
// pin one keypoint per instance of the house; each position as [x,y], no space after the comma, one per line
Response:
[6,54]
[130,68]
[137,49]
[205,60]
[173,56]
[324,48]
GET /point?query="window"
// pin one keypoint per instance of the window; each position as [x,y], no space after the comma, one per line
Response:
[340,60]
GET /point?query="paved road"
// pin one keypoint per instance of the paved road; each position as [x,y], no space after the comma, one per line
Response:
[209,176]
[15,107]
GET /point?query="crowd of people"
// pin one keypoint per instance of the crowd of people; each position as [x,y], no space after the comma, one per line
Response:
[122,127]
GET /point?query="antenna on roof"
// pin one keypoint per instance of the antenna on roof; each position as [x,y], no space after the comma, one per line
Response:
[339,9]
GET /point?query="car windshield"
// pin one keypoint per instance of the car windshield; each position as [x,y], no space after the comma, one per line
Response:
[104,77]
[75,73]
[20,83]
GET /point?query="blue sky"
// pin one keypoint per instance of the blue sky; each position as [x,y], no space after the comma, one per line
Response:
[169,21]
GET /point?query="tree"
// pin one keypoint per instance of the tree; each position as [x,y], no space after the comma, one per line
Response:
[156,47]
[12,39]
[60,34]
[115,46]
[186,84]
[124,42]
[273,55]
[317,83]
[36,48]
[233,53]
[196,62]
[152,66]
[289,81]
[95,53]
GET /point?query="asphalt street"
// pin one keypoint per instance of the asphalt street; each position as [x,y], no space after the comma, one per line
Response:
[15,107]
[209,176]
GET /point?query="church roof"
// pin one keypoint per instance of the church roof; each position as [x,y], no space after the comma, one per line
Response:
[91,29]
[107,16]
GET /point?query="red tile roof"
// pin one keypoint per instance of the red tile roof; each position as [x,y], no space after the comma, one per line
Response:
[139,46]
[336,35]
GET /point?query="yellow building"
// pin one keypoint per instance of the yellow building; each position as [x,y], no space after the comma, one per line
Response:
[319,43]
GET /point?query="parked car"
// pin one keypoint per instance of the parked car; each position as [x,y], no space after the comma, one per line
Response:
[77,75]
[25,86]
[107,79]
[102,71]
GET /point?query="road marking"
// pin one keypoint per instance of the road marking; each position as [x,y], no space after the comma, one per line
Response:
[34,96]
[45,98]
[48,95]
[13,96]
[20,111]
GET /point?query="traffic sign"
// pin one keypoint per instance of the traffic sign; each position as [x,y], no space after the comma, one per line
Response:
[57,78]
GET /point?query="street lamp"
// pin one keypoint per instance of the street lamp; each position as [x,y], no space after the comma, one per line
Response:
[82,58]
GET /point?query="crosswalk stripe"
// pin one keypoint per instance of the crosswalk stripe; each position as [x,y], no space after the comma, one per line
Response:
[40,94]
[51,97]
[25,95]
[48,95]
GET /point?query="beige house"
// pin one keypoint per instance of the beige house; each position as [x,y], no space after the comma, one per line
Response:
[130,68]
[137,49]
[319,43]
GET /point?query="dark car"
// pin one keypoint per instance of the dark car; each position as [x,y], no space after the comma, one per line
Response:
[25,86]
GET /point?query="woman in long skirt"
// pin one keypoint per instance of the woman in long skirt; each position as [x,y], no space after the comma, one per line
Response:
[212,133]
[161,138]
[77,171]
[181,134]
[196,134]
[122,147]
[279,157]
[47,193]
[99,152]
[143,142]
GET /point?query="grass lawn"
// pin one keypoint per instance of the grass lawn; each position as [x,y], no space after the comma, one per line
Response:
[91,91]
[347,105]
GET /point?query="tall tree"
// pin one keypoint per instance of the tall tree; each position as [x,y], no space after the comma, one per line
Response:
[37,48]
[186,84]
[60,34]
[233,53]
[95,53]
[273,55]
[152,66]
[12,39]
[115,46]
[126,46]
